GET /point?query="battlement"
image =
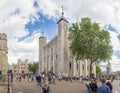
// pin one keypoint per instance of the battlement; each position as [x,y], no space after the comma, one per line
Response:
[3,36]
[3,42]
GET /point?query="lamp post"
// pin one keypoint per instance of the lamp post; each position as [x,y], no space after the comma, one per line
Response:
[8,84]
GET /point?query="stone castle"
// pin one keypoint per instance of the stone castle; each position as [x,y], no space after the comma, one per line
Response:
[3,54]
[55,55]
[21,67]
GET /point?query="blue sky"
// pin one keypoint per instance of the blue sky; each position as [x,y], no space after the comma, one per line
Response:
[48,25]
[24,20]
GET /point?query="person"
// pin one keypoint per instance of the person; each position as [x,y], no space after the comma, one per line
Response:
[54,77]
[32,78]
[11,77]
[19,78]
[38,79]
[59,77]
[88,87]
[93,86]
[45,85]
[103,88]
[110,86]
[71,79]
[81,79]
[112,79]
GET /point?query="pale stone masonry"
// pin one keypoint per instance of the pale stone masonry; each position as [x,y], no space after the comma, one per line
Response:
[3,54]
[55,55]
[21,67]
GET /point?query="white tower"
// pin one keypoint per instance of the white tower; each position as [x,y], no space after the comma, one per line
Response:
[62,41]
[108,68]
[42,43]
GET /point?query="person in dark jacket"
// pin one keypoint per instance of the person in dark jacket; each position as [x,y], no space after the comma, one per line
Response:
[93,86]
[38,79]
[110,86]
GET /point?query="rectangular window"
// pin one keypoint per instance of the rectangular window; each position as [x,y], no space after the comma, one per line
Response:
[88,67]
[51,58]
[52,50]
[83,66]
[56,56]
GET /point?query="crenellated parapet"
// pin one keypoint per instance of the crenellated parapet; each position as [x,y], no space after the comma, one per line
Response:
[3,42]
[3,36]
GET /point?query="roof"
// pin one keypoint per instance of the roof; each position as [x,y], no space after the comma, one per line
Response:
[62,18]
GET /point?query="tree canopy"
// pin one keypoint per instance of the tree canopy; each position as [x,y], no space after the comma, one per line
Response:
[98,70]
[33,67]
[89,41]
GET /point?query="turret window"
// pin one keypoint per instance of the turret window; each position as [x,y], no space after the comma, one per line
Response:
[51,58]
[52,50]
[56,56]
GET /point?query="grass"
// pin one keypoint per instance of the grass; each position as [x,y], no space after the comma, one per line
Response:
[1,77]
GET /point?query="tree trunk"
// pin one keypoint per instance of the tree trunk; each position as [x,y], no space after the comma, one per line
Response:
[91,69]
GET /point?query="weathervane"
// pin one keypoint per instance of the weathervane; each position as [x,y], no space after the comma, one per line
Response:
[62,10]
[42,32]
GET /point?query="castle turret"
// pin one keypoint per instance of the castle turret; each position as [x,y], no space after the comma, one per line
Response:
[3,54]
[62,41]
[42,43]
[108,68]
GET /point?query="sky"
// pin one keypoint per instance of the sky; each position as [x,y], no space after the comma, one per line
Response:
[23,21]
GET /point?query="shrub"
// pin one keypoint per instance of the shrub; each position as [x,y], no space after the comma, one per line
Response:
[1,77]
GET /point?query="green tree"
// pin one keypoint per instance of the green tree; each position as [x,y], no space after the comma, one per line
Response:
[98,70]
[33,67]
[89,42]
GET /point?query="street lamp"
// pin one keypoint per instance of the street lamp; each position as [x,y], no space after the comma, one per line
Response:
[8,84]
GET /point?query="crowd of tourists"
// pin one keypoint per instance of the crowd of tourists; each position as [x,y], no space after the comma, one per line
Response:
[105,87]
[44,80]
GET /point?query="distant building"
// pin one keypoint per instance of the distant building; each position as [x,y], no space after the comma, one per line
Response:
[55,55]
[108,68]
[3,54]
[117,75]
[20,67]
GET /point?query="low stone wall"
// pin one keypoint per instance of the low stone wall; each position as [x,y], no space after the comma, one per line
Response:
[3,87]
[3,83]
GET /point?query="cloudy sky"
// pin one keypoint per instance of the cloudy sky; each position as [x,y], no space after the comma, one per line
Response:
[22,21]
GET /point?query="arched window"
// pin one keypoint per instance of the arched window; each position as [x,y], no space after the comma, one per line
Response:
[83,66]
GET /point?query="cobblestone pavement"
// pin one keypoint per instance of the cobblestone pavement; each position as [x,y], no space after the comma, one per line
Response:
[116,86]
[3,89]
[59,87]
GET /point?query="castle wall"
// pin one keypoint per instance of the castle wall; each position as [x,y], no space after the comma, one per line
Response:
[3,54]
[20,67]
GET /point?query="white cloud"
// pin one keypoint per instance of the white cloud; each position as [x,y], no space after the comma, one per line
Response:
[102,11]
[115,63]
[15,14]
[27,49]
[115,41]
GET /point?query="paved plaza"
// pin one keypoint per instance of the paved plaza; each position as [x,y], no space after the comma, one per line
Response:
[59,87]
